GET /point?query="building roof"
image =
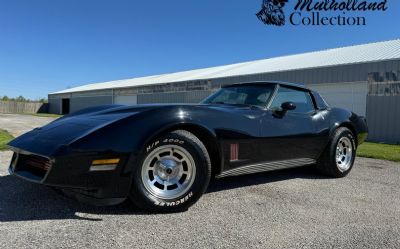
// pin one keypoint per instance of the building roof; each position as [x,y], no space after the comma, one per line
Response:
[379,51]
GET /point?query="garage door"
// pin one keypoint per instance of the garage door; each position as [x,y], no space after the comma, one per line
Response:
[125,100]
[351,96]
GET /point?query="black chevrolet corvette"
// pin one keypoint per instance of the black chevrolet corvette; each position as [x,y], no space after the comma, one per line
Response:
[163,156]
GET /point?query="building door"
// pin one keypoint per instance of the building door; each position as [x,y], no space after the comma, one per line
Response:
[65,106]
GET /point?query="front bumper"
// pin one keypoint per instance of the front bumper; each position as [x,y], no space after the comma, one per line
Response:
[72,174]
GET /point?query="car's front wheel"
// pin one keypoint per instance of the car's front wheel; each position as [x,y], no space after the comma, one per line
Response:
[172,173]
[338,158]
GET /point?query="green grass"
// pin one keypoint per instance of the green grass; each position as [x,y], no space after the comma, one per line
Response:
[380,151]
[47,115]
[5,137]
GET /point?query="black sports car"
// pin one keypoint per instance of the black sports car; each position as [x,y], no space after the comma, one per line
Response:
[163,156]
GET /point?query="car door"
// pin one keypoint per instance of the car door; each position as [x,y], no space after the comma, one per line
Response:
[291,134]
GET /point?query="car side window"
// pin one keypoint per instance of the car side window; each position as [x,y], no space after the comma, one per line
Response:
[243,95]
[301,99]
[231,97]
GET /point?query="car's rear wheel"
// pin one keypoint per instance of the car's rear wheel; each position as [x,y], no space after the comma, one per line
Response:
[338,157]
[171,174]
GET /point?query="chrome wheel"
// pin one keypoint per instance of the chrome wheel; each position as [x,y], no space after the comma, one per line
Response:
[344,154]
[168,172]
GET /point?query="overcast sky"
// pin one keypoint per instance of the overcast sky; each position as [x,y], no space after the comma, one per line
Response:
[48,45]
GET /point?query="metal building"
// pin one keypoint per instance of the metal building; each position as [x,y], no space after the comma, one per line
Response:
[360,78]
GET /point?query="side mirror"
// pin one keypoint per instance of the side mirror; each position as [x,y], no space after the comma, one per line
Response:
[281,111]
[288,106]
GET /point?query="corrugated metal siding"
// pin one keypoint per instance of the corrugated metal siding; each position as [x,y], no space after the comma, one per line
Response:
[189,87]
[384,89]
[161,98]
[373,52]
[178,97]
[383,112]
[350,96]
[345,73]
[93,93]
[125,100]
[383,117]
[349,73]
[79,103]
[55,105]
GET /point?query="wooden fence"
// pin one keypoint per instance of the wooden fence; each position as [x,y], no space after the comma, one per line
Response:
[23,107]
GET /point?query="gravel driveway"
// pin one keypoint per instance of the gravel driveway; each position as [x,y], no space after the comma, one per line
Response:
[293,208]
[19,124]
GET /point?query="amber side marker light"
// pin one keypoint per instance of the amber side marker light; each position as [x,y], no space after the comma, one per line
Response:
[104,164]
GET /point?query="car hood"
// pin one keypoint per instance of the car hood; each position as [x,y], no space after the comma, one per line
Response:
[47,140]
[51,138]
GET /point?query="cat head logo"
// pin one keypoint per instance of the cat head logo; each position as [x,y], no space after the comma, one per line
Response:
[272,13]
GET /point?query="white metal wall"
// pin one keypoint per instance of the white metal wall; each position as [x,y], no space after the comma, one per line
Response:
[351,96]
[125,100]
[173,97]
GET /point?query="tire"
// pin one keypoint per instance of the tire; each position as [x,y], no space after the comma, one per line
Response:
[338,158]
[172,173]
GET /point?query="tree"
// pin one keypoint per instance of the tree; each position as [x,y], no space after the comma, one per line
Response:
[20,99]
[5,98]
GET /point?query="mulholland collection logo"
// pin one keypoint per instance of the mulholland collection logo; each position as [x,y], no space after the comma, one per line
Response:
[272,12]
[319,13]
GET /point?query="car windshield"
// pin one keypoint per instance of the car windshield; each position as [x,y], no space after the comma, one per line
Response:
[256,95]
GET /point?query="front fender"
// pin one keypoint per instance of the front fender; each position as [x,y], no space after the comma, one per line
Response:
[131,134]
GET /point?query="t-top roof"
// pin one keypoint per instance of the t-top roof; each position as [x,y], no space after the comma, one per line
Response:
[378,51]
[282,83]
